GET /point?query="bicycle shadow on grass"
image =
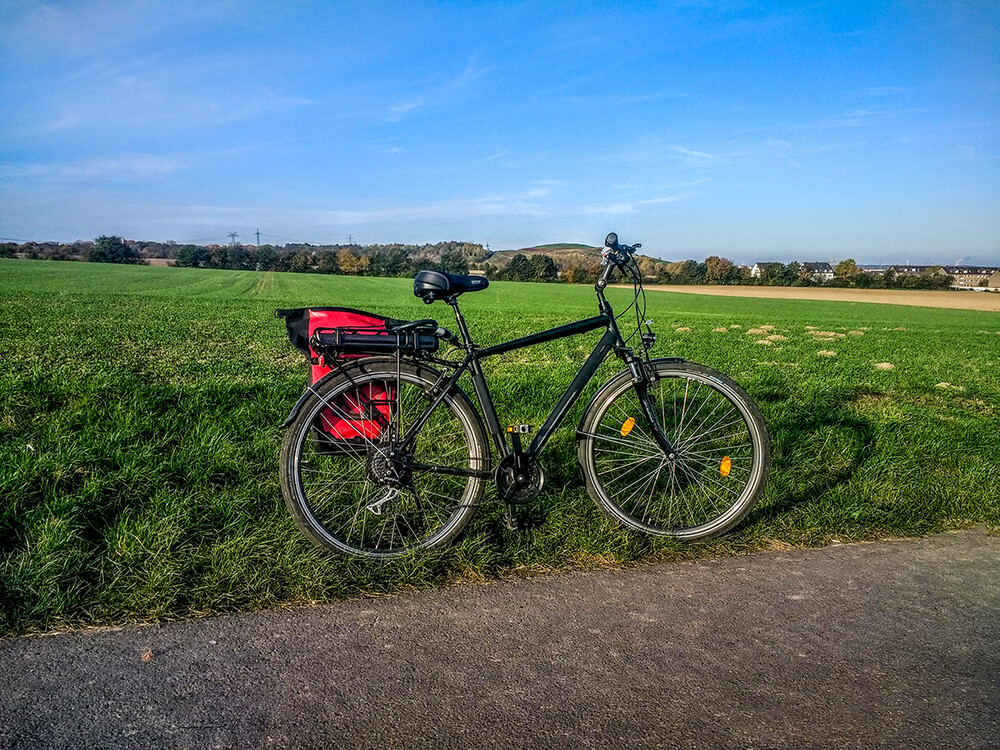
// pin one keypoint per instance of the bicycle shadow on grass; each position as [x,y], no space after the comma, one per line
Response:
[816,446]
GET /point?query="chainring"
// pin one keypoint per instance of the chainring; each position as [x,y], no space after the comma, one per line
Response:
[518,485]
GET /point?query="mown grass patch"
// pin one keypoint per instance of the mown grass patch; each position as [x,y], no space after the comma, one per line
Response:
[139,414]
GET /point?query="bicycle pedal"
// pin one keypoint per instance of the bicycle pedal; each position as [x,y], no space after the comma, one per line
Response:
[520,429]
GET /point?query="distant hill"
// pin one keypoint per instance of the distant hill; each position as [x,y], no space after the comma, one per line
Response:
[565,254]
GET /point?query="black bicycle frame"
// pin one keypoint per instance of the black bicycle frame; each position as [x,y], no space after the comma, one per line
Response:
[610,341]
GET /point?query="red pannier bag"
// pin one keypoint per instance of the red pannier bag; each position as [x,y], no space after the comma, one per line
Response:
[352,416]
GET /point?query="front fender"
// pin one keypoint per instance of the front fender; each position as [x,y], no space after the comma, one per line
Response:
[610,383]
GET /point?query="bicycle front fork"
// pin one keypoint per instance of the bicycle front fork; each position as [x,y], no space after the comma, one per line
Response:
[668,448]
[641,378]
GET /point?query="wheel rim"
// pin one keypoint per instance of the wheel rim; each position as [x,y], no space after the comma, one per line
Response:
[716,469]
[360,499]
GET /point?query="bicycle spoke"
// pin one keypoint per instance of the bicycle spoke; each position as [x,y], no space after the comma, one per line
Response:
[713,476]
[344,481]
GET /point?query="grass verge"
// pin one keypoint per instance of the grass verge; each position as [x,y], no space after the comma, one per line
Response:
[139,413]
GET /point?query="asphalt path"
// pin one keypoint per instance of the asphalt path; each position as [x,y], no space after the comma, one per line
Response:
[893,645]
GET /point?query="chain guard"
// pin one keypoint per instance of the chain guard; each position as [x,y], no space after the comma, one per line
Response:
[519,487]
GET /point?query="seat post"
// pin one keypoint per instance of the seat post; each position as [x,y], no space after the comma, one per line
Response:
[460,319]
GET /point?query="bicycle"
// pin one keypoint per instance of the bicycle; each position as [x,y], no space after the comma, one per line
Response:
[387,454]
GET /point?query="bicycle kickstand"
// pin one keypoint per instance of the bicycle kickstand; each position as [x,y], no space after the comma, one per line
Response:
[510,518]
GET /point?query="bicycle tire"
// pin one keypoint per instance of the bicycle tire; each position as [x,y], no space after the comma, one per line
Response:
[722,460]
[337,490]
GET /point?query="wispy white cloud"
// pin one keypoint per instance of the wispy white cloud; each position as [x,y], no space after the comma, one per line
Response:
[434,93]
[91,68]
[634,206]
[651,152]
[450,209]
[37,28]
[145,165]
[114,167]
[877,92]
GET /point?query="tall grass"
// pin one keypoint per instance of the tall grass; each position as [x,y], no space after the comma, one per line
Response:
[139,413]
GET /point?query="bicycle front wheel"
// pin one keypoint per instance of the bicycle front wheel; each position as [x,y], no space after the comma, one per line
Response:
[350,484]
[707,485]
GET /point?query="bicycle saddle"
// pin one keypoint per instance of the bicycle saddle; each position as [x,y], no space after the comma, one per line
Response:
[435,285]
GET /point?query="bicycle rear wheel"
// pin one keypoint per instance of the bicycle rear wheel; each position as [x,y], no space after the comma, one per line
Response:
[353,488]
[717,473]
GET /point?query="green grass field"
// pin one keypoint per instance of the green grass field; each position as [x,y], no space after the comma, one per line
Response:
[140,411]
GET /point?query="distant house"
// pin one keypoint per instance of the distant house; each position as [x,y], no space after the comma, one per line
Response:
[878,270]
[974,277]
[914,270]
[819,272]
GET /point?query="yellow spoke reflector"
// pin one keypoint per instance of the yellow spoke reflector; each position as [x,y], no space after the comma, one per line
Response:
[725,466]
[627,427]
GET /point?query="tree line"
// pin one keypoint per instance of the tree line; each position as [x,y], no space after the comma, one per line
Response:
[401,260]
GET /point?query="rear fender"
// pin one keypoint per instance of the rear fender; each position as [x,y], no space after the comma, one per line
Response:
[305,397]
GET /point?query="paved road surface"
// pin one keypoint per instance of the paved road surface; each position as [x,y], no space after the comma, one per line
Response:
[879,645]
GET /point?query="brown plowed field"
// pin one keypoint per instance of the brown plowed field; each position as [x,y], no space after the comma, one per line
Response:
[989,301]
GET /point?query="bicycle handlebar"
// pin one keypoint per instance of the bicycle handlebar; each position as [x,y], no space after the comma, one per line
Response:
[611,242]
[616,256]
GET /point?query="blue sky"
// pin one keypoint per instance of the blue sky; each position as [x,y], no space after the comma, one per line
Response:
[751,130]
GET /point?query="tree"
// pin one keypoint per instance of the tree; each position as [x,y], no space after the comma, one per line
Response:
[326,262]
[111,249]
[391,262]
[687,272]
[772,274]
[455,262]
[301,262]
[544,268]
[239,258]
[349,262]
[797,274]
[266,259]
[8,250]
[847,270]
[218,256]
[192,256]
[519,269]
[938,278]
[720,270]
[425,264]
